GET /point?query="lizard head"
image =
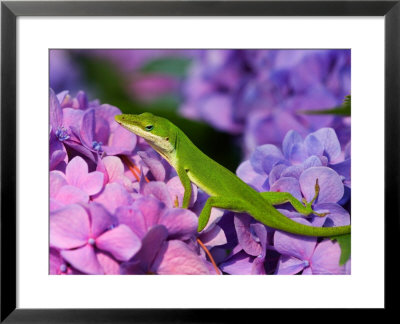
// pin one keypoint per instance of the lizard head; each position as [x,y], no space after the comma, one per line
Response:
[157,131]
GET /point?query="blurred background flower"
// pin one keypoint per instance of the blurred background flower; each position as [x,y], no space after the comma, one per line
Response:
[276,118]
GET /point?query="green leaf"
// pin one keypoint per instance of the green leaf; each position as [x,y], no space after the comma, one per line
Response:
[345,246]
[176,66]
[343,110]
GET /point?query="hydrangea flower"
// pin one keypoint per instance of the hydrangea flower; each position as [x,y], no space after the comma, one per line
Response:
[259,93]
[295,169]
[116,206]
[83,233]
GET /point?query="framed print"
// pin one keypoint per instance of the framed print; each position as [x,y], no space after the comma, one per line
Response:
[182,155]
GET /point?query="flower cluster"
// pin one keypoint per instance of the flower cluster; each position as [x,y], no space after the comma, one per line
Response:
[296,170]
[114,203]
[259,93]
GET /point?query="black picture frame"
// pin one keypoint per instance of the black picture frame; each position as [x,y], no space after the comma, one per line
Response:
[10,10]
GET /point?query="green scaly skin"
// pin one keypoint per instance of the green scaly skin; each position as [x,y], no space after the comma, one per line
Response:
[226,190]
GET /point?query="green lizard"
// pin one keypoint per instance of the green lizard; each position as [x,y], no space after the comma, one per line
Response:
[226,190]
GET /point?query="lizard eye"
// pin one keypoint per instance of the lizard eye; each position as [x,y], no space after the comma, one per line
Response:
[149,127]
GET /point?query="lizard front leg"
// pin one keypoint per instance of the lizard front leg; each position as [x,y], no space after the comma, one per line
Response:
[182,174]
[219,202]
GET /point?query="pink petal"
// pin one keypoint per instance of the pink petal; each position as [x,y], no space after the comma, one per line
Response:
[177,191]
[71,195]
[92,183]
[175,257]
[69,227]
[108,263]
[57,181]
[114,167]
[76,170]
[158,190]
[150,208]
[113,196]
[83,259]
[121,242]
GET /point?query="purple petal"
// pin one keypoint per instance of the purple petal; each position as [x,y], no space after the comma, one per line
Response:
[239,264]
[344,169]
[213,237]
[287,184]
[113,196]
[300,247]
[291,139]
[326,259]
[245,237]
[180,223]
[312,161]
[121,242]
[133,218]
[100,219]
[293,171]
[88,127]
[338,216]
[217,110]
[176,258]
[56,113]
[330,183]
[151,244]
[72,118]
[69,227]
[330,142]
[154,164]
[313,145]
[265,157]
[158,190]
[121,141]
[80,149]
[246,172]
[150,208]
[288,265]
[57,157]
[84,259]
[275,173]
[177,191]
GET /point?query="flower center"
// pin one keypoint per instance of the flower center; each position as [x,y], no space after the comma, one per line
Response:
[91,241]
[306,263]
[62,134]
[63,268]
[97,146]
